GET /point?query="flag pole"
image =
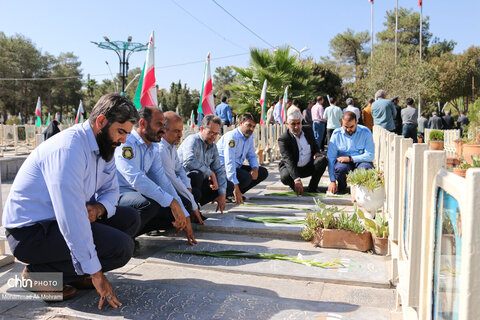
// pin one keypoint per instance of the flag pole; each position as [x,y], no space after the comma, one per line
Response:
[396,31]
[371,31]
[420,4]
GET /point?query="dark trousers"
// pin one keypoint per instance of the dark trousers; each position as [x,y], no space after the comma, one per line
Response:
[314,168]
[342,169]
[245,181]
[43,248]
[409,130]
[319,128]
[201,190]
[329,135]
[224,123]
[152,215]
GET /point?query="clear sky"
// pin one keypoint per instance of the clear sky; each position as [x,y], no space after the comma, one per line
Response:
[61,26]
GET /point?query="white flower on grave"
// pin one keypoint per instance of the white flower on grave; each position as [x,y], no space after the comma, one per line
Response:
[300,258]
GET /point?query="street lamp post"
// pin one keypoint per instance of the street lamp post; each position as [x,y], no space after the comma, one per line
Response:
[124,50]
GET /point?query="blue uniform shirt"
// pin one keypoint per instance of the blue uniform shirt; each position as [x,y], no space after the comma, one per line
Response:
[56,181]
[224,112]
[139,168]
[233,149]
[359,146]
[195,155]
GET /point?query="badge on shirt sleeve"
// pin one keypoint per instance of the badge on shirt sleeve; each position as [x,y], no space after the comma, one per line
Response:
[360,151]
[127,153]
[231,144]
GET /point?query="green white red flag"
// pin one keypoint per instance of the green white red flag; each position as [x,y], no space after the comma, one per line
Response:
[262,103]
[206,105]
[419,3]
[192,120]
[284,106]
[80,113]
[146,94]
[38,113]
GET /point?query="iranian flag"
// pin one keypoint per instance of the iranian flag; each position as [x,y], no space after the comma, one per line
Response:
[284,106]
[192,120]
[206,97]
[146,94]
[48,119]
[419,3]
[38,113]
[262,103]
[80,113]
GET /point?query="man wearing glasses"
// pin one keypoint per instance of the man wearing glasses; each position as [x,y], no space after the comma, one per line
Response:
[199,156]
[236,146]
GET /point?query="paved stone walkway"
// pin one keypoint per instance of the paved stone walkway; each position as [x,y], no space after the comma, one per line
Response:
[157,284]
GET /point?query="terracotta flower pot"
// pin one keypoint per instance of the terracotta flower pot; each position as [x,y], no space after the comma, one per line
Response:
[470,150]
[436,145]
[460,172]
[380,245]
[343,239]
[459,149]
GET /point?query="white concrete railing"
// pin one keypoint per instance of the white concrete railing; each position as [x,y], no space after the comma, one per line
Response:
[414,178]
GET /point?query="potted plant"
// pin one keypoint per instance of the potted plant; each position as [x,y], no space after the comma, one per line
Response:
[331,227]
[459,146]
[472,146]
[436,138]
[461,169]
[369,186]
[379,230]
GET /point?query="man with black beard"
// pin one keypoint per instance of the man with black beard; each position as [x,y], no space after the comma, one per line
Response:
[61,214]
[143,183]
[233,148]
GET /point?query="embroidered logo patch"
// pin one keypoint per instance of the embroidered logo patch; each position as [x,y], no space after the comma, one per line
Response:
[360,151]
[231,144]
[127,153]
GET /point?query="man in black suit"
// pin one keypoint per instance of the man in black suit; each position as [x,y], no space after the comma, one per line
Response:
[300,155]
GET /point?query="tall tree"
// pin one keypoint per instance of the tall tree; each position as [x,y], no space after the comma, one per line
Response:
[222,78]
[349,49]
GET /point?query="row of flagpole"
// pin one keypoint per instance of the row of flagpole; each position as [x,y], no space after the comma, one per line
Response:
[38,113]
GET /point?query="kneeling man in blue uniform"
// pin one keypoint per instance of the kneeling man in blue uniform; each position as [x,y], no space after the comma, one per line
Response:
[61,214]
[233,148]
[143,183]
[351,147]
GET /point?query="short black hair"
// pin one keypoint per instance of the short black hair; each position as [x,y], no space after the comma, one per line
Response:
[410,101]
[333,100]
[248,116]
[116,108]
[319,98]
[371,100]
[295,101]
[349,116]
[224,99]
[273,103]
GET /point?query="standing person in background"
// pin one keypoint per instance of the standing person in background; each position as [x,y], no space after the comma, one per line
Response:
[367,115]
[435,122]
[409,120]
[398,118]
[277,112]
[332,114]
[422,123]
[319,122]
[270,118]
[383,111]
[462,122]
[351,107]
[448,120]
[307,114]
[225,113]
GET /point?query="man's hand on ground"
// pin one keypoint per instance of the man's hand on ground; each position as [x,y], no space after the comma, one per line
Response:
[105,290]
[178,214]
[237,194]
[298,187]
[188,232]
[254,173]
[332,187]
[95,211]
[213,181]
[220,200]
[196,213]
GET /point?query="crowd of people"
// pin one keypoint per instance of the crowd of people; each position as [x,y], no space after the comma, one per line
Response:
[83,196]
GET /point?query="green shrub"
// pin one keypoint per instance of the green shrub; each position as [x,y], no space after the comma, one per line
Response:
[436,135]
[378,227]
[371,179]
